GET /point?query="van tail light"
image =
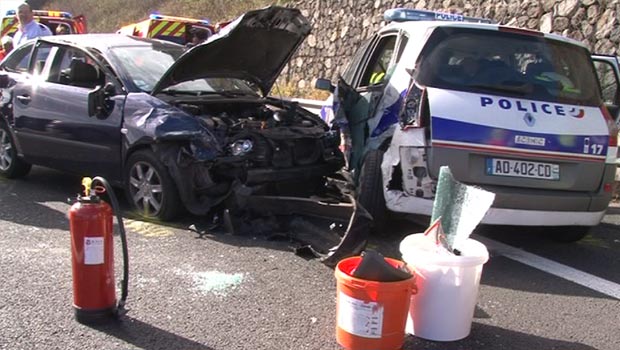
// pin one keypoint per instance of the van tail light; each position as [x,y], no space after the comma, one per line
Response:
[416,113]
[612,149]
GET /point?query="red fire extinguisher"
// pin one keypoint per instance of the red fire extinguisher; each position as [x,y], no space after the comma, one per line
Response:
[92,253]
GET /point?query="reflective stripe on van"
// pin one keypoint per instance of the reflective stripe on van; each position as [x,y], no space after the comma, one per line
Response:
[477,133]
[520,124]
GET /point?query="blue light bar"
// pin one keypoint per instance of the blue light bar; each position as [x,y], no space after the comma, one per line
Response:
[11,13]
[406,15]
[155,16]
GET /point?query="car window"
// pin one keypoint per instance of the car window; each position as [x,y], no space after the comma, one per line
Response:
[145,65]
[19,60]
[356,61]
[608,80]
[379,62]
[524,66]
[76,68]
[401,47]
[41,52]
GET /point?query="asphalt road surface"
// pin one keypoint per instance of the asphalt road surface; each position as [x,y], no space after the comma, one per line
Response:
[220,291]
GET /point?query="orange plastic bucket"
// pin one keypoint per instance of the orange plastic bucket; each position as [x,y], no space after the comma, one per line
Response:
[370,315]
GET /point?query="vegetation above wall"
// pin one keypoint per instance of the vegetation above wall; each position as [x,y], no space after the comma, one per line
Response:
[109,15]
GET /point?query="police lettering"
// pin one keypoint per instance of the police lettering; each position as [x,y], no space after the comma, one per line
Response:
[523,106]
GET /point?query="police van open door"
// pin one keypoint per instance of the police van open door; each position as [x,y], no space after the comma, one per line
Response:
[608,71]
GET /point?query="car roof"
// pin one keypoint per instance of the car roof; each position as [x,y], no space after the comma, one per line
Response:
[103,42]
[414,26]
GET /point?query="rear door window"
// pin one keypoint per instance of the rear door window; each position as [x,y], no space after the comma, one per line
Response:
[19,61]
[523,66]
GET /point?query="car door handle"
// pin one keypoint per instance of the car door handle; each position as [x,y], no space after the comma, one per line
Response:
[25,99]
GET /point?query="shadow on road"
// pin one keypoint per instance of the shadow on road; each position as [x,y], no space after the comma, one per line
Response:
[32,200]
[148,337]
[483,335]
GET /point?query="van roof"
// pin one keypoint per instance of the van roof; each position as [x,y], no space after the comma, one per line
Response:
[416,26]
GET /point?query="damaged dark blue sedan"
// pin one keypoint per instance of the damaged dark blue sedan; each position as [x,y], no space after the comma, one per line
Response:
[177,129]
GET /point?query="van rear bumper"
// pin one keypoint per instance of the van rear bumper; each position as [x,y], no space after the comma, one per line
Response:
[398,202]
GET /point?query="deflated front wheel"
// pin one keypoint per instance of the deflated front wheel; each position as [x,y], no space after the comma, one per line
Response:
[150,188]
[10,165]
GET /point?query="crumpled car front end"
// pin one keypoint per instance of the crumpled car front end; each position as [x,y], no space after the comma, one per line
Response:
[213,147]
[209,120]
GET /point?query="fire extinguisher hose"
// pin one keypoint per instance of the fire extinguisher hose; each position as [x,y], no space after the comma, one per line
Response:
[125,282]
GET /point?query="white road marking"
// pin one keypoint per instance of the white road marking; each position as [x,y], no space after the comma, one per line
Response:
[566,272]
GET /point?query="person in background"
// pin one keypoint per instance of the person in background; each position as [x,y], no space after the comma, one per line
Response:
[199,35]
[7,46]
[28,27]
[62,30]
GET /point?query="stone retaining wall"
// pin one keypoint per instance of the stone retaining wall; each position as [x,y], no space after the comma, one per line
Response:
[339,26]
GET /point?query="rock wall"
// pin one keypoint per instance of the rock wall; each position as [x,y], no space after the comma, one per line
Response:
[339,26]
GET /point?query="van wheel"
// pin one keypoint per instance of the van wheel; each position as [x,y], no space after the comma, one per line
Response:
[566,234]
[370,189]
[11,166]
[150,188]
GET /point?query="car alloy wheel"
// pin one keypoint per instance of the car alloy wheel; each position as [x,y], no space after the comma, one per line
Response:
[146,189]
[6,149]
[11,166]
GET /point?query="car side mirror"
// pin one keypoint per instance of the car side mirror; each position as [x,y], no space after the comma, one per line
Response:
[4,81]
[324,84]
[109,89]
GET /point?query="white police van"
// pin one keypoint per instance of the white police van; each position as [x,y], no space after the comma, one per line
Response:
[517,112]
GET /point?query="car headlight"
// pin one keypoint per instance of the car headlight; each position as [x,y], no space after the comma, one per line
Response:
[241,147]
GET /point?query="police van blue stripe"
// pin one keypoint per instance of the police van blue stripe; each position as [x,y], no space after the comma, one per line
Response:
[463,132]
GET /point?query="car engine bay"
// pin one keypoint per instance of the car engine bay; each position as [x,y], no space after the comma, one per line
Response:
[268,146]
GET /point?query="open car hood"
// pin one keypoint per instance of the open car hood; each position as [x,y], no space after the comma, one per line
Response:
[254,47]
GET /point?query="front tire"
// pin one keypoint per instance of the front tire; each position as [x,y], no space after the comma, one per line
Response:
[149,187]
[370,189]
[11,166]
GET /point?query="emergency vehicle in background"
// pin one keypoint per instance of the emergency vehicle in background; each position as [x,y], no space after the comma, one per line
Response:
[175,29]
[52,19]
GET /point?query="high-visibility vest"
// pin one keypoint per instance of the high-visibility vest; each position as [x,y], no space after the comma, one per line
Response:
[376,77]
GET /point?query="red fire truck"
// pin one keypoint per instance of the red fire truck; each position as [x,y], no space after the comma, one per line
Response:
[56,21]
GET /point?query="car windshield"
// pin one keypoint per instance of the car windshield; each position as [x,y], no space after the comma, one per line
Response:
[525,66]
[145,66]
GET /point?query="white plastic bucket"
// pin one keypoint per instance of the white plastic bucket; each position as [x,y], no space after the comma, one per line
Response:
[443,308]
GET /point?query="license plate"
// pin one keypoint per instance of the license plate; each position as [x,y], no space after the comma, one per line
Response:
[522,168]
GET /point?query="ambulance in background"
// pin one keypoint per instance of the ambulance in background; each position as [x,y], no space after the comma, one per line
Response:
[175,29]
[56,21]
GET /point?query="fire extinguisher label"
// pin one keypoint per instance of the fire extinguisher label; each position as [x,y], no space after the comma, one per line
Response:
[93,250]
